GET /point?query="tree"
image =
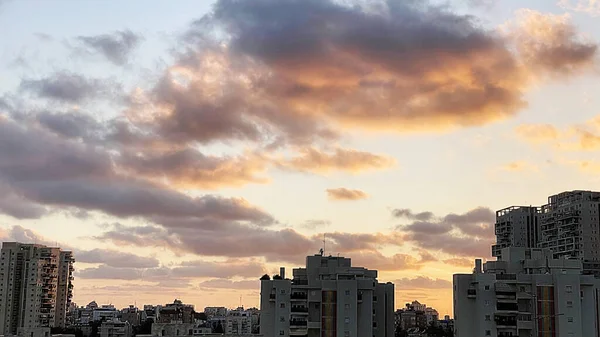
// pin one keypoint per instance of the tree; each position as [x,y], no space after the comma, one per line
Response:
[145,328]
[219,328]
[265,277]
[277,277]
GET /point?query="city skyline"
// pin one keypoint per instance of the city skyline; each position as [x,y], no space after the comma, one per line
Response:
[183,151]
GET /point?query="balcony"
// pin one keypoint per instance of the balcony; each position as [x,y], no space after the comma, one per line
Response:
[300,310]
[507,322]
[507,308]
[299,296]
[298,323]
[272,297]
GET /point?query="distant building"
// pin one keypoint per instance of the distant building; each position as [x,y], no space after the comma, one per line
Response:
[115,328]
[238,322]
[36,287]
[176,312]
[106,312]
[415,315]
[179,329]
[527,293]
[215,311]
[327,298]
[132,315]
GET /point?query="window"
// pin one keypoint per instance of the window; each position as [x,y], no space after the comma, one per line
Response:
[569,289]
[347,306]
[488,318]
[374,298]
[347,320]
[488,332]
[570,319]
[569,304]
[282,291]
[487,287]
[346,333]
[281,319]
[282,305]
[487,303]
[347,292]
[281,332]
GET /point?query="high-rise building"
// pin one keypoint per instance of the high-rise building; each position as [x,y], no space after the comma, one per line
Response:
[568,225]
[527,293]
[516,226]
[328,298]
[36,288]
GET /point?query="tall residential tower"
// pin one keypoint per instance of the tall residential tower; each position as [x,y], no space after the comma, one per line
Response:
[36,286]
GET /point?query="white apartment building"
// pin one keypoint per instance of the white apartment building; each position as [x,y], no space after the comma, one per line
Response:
[36,286]
[328,298]
[527,293]
[568,225]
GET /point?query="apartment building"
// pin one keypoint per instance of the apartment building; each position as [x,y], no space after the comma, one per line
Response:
[527,293]
[238,322]
[516,226]
[568,225]
[36,286]
[327,298]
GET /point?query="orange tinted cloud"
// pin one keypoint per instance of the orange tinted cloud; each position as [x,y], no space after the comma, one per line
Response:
[591,7]
[520,166]
[346,194]
[346,160]
[550,44]
[537,133]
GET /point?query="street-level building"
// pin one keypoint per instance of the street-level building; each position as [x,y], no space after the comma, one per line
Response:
[527,293]
[328,298]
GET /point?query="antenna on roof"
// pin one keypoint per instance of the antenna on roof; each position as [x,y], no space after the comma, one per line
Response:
[324,242]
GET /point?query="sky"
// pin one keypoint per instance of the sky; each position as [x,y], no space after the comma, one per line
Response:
[184,149]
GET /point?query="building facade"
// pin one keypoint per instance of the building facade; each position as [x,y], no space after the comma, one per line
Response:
[36,288]
[516,226]
[527,293]
[115,328]
[238,322]
[328,298]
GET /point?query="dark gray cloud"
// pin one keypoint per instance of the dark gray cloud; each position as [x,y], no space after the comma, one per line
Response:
[116,47]
[19,207]
[184,271]
[467,234]
[71,125]
[49,170]
[422,282]
[408,214]
[117,259]
[229,284]
[69,87]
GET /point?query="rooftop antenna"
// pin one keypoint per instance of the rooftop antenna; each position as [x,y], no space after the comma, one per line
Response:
[241,301]
[324,242]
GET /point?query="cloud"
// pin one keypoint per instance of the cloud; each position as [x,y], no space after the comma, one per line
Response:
[48,170]
[591,7]
[459,262]
[313,224]
[422,282]
[467,234]
[116,47]
[183,271]
[346,194]
[72,125]
[378,261]
[520,166]
[408,214]
[537,133]
[18,207]
[69,88]
[189,168]
[117,259]
[229,284]
[550,44]
[345,160]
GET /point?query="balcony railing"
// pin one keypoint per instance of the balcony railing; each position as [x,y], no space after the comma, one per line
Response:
[299,296]
[299,309]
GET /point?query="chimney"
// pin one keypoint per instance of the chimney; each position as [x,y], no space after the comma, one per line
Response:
[478,269]
[282,272]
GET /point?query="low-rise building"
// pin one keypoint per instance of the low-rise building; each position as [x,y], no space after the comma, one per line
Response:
[238,322]
[115,328]
[176,312]
[527,293]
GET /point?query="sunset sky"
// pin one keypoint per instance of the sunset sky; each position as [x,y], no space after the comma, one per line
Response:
[182,149]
